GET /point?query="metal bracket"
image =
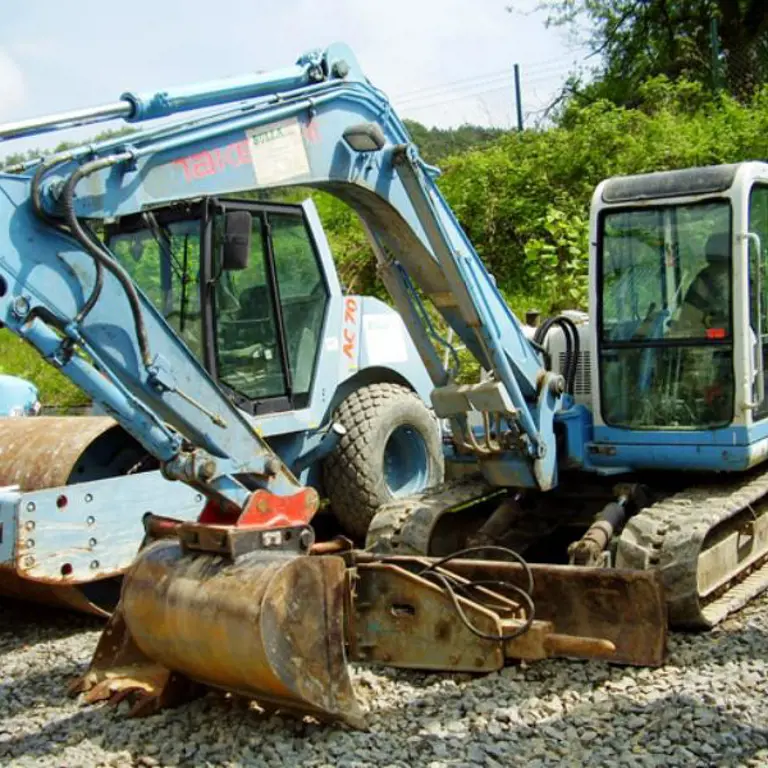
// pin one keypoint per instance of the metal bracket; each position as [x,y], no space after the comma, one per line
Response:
[235,542]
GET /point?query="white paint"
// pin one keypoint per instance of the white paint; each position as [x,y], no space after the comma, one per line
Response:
[384,340]
[278,153]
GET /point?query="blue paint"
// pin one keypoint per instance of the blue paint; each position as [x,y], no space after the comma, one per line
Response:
[406,462]
[18,397]
[95,533]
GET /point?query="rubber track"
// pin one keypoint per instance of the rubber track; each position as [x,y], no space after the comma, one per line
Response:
[669,536]
[404,526]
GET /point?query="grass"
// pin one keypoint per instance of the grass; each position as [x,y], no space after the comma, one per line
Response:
[17,358]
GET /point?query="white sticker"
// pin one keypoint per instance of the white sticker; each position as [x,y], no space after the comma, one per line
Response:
[278,153]
[332,343]
[384,340]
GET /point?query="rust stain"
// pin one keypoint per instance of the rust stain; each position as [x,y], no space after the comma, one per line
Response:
[43,452]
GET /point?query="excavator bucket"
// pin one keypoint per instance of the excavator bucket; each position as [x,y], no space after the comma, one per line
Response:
[268,626]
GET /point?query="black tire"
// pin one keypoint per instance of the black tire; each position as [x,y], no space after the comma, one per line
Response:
[377,419]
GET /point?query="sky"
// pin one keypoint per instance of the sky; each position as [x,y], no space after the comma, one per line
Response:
[441,62]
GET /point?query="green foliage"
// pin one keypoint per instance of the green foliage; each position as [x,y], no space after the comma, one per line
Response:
[524,201]
[555,259]
[19,359]
[437,143]
[641,40]
[16,158]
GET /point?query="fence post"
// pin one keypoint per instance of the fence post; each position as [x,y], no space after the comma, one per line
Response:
[714,43]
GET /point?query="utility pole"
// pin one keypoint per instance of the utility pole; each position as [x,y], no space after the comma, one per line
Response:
[518,98]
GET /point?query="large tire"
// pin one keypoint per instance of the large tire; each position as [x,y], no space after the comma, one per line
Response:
[392,448]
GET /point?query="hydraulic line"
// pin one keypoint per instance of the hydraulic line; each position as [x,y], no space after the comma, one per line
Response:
[98,252]
[572,346]
[37,204]
[450,584]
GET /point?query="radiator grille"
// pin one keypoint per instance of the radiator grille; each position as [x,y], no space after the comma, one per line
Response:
[583,384]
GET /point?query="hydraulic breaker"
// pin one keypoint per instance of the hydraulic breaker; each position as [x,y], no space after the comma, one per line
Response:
[255,613]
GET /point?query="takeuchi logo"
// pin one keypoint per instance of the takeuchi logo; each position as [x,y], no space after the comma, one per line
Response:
[210,162]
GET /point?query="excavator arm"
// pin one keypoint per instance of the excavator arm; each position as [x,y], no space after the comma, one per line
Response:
[243,599]
[318,124]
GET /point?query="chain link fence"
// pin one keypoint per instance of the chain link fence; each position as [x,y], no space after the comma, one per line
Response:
[742,70]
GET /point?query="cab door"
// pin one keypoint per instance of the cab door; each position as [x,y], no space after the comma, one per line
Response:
[757,245]
[265,321]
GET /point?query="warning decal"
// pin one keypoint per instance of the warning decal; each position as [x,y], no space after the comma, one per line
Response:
[278,153]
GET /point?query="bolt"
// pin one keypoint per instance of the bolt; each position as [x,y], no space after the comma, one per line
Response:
[90,519]
[20,307]
[272,466]
[29,543]
[340,69]
[31,506]
[92,543]
[94,565]
[557,385]
[198,497]
[29,562]
[88,498]
[30,525]
[206,470]
[306,538]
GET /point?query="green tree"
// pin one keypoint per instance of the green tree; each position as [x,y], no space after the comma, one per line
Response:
[640,39]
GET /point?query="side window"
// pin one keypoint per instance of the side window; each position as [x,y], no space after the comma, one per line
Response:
[758,276]
[303,295]
[246,331]
[165,264]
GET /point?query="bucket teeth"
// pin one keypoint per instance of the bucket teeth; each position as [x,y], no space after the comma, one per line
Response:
[120,671]
[268,626]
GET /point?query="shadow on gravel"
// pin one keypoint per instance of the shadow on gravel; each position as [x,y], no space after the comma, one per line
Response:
[673,730]
[46,688]
[466,721]
[23,623]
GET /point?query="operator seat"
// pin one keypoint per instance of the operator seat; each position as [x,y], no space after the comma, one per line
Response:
[706,303]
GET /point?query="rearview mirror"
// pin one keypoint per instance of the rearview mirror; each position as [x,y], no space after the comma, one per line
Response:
[236,249]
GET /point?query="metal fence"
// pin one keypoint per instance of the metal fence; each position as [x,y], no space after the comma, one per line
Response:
[741,71]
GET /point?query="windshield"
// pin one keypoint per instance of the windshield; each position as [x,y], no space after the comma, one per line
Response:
[666,273]
[164,261]
[665,322]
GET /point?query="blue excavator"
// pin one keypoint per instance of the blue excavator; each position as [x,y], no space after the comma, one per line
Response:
[603,478]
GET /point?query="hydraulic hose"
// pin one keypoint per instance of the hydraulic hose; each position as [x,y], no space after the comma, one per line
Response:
[98,252]
[572,346]
[37,205]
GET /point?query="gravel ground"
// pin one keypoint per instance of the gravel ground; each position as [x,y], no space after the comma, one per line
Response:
[707,706]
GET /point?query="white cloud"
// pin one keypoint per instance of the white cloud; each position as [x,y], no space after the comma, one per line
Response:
[12,87]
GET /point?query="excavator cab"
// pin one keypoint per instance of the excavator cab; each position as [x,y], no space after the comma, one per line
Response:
[241,284]
[678,291]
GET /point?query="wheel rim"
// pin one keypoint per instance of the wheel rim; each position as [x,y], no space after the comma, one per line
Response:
[406,461]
